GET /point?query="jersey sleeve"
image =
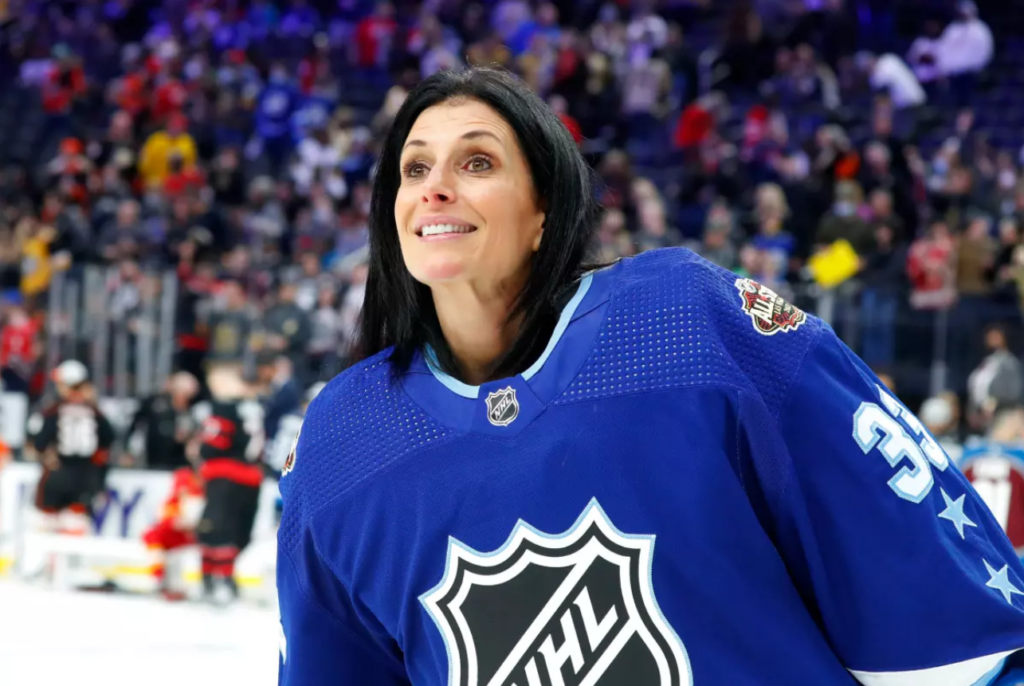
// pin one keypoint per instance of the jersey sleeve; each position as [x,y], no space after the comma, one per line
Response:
[319,647]
[327,636]
[898,559]
[106,434]
[46,434]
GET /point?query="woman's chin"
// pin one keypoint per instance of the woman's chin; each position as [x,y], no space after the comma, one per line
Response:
[440,271]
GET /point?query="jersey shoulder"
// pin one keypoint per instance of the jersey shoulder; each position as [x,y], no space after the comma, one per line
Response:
[676,320]
[358,425]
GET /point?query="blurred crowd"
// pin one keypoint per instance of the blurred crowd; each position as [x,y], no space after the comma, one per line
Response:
[831,149]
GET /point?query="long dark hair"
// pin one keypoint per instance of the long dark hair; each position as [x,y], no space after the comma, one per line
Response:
[398,310]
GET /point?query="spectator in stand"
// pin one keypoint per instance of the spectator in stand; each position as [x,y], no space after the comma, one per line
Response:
[227,180]
[940,414]
[880,208]
[230,326]
[655,231]
[317,163]
[883,277]
[747,55]
[301,20]
[931,268]
[375,37]
[288,329]
[698,121]
[509,17]
[771,211]
[996,384]
[976,253]
[352,304]
[923,55]
[489,51]
[122,237]
[888,73]
[279,390]
[161,146]
[965,50]
[325,339]
[844,221]
[716,245]
[19,345]
[64,87]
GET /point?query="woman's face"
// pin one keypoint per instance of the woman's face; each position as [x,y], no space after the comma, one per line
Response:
[466,209]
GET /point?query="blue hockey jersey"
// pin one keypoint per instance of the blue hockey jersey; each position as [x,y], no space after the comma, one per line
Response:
[696,483]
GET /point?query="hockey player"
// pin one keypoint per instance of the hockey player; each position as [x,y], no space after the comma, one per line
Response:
[72,441]
[174,531]
[655,473]
[228,446]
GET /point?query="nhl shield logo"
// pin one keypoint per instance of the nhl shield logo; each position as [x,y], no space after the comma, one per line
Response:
[576,609]
[502,407]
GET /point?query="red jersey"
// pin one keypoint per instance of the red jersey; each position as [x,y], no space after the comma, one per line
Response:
[18,344]
[170,97]
[930,268]
[61,88]
[185,503]
[373,40]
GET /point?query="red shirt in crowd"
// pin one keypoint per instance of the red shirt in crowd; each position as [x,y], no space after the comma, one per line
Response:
[930,268]
[18,344]
[573,126]
[188,180]
[373,40]
[170,97]
[695,123]
[62,87]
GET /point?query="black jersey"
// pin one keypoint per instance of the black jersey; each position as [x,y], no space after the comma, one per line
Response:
[76,431]
[231,430]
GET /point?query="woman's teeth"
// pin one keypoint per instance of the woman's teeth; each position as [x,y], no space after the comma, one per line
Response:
[438,229]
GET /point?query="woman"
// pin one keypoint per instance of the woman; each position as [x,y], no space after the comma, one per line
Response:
[477,501]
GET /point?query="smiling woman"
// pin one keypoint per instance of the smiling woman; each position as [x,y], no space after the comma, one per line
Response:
[477,501]
[482,211]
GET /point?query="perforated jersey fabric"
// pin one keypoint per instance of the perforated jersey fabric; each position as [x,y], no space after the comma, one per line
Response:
[363,423]
[673,320]
[696,484]
[676,321]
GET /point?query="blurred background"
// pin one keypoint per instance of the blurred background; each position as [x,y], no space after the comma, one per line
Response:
[188,180]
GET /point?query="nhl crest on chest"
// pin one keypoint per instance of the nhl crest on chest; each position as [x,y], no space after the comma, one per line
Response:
[767,310]
[502,407]
[573,609]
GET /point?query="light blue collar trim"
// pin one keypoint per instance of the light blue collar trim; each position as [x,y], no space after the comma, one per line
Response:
[473,392]
[561,326]
[453,384]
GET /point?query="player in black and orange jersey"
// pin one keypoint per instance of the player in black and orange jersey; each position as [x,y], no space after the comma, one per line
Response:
[72,440]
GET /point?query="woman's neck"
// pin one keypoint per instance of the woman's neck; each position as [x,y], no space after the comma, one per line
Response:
[477,328]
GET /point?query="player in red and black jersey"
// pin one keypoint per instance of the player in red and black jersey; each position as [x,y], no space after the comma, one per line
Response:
[229,447]
[72,440]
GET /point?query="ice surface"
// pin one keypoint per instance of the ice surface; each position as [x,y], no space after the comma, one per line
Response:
[53,638]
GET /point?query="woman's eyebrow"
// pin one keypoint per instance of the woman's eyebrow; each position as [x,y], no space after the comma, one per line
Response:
[469,135]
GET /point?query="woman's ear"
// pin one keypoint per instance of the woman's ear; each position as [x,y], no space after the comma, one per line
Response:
[540,234]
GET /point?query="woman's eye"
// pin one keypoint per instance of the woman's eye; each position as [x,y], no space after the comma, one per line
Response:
[478,164]
[413,169]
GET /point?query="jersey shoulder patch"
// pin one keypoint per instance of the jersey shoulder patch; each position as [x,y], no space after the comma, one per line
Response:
[289,462]
[769,312]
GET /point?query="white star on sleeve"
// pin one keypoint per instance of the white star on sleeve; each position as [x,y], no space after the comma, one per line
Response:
[954,512]
[1000,581]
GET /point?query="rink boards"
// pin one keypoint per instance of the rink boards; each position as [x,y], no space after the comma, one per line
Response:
[135,498]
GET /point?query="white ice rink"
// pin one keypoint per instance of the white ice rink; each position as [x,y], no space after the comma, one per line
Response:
[52,638]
